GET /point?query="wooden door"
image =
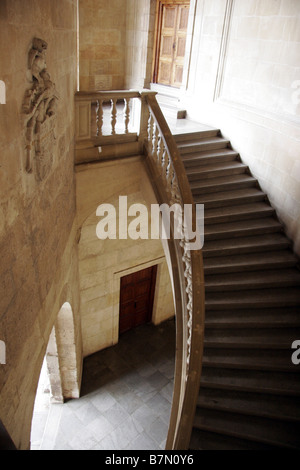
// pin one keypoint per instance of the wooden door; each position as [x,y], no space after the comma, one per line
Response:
[136,298]
[172,31]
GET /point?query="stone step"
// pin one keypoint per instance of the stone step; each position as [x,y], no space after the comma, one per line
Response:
[201,145]
[230,198]
[252,404]
[261,298]
[203,440]
[250,262]
[223,183]
[285,317]
[237,213]
[249,359]
[209,157]
[242,229]
[263,430]
[242,245]
[173,112]
[252,280]
[259,338]
[270,382]
[195,136]
[214,171]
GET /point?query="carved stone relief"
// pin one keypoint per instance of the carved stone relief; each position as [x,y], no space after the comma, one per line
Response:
[39,110]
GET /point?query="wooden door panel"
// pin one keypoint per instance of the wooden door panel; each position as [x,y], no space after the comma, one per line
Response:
[171,53]
[139,319]
[127,317]
[142,288]
[128,308]
[169,17]
[183,18]
[127,280]
[143,274]
[165,73]
[180,47]
[179,53]
[141,304]
[136,298]
[166,47]
[127,293]
[178,74]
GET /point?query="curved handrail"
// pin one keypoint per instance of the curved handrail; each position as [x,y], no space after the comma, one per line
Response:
[169,171]
[171,186]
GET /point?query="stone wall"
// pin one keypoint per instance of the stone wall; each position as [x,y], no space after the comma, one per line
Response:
[103,262]
[102,44]
[140,25]
[38,249]
[116,44]
[244,78]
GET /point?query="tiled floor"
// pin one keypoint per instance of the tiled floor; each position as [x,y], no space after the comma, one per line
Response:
[125,401]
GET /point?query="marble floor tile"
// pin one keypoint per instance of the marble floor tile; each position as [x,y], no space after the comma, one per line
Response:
[126,398]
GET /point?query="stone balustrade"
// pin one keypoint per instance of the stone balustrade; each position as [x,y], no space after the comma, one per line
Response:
[117,120]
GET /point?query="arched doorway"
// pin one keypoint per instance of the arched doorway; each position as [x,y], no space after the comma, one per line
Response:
[49,391]
[58,377]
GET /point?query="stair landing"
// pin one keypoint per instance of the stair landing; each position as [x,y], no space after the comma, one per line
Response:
[181,128]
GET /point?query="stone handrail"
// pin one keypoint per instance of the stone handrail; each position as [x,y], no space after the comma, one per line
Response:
[169,180]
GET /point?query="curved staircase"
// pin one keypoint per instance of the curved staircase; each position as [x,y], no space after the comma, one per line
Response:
[249,395]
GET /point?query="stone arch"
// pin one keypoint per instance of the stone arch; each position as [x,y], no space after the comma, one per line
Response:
[60,364]
[66,350]
[53,369]
[61,357]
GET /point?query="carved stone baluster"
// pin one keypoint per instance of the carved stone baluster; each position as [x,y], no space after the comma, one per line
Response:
[186,258]
[113,115]
[145,113]
[155,141]
[170,174]
[160,151]
[175,193]
[99,117]
[150,129]
[126,114]
[165,162]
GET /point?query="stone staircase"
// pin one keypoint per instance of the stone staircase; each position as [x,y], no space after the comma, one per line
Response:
[249,394]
